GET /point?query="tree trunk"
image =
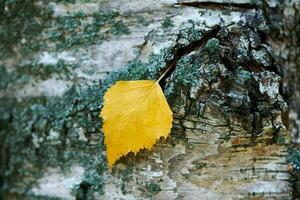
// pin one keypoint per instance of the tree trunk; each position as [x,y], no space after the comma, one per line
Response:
[233,88]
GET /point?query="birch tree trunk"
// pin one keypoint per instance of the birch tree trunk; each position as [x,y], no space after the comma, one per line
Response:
[233,88]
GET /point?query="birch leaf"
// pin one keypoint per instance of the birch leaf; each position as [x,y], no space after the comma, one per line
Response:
[135,115]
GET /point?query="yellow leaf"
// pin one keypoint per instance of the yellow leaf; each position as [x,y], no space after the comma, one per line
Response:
[135,115]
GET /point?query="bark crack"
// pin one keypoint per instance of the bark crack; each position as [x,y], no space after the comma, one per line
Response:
[220,5]
[192,46]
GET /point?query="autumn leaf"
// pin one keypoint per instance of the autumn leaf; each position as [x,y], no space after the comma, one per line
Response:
[135,115]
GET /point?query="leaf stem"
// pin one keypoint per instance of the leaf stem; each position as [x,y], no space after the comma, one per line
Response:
[165,72]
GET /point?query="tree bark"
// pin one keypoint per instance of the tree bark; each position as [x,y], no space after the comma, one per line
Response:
[233,89]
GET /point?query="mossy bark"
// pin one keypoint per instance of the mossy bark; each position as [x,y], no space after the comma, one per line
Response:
[232,87]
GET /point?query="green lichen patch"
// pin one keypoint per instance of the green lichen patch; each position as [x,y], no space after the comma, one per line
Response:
[187,71]
[20,23]
[142,20]
[23,74]
[29,26]
[78,29]
[212,45]
[44,132]
[138,70]
[293,158]
[6,77]
[167,22]
[126,176]
[149,189]
[153,187]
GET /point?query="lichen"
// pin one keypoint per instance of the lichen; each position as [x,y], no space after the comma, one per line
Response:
[212,45]
[142,20]
[28,123]
[31,28]
[73,30]
[167,22]
[153,187]
[20,24]
[187,71]
[293,158]
[23,74]
[126,176]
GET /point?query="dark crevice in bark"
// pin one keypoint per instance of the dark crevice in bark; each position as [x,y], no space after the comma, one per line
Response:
[219,5]
[186,50]
[265,39]
[5,154]
[4,160]
[228,63]
[188,105]
[256,124]
[83,193]
[65,134]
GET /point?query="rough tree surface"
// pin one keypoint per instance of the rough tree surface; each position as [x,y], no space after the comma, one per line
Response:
[233,88]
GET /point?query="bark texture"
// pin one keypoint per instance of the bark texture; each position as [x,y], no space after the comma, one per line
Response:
[233,88]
